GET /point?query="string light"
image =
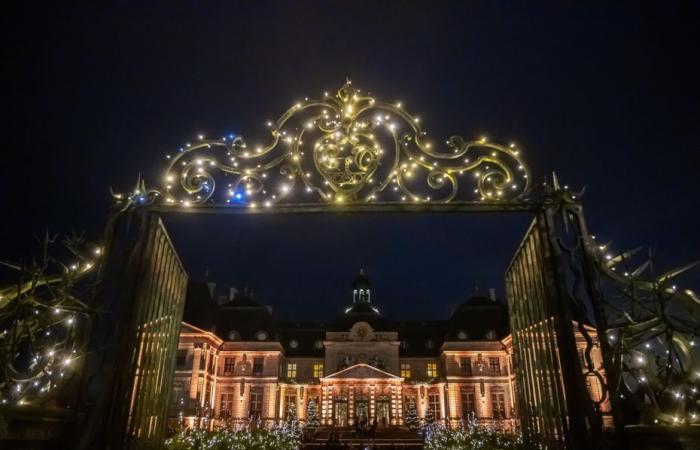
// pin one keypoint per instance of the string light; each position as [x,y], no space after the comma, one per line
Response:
[345,155]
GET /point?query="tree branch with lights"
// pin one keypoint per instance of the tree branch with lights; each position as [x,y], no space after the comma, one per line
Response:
[44,321]
[653,336]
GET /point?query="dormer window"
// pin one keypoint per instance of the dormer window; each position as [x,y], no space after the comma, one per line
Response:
[261,335]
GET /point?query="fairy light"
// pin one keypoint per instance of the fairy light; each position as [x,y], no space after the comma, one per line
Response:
[357,137]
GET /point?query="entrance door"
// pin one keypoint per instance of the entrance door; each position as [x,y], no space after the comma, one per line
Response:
[362,411]
[340,414]
[384,412]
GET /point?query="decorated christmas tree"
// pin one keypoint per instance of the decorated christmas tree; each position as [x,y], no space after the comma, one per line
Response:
[312,415]
[292,422]
[429,417]
[411,419]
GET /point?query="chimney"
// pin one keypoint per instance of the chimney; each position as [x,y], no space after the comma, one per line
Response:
[492,294]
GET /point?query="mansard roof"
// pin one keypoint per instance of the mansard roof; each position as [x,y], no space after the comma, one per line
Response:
[421,338]
[302,338]
[242,318]
[479,318]
[361,371]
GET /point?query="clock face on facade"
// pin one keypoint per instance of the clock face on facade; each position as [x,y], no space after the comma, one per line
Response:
[361,331]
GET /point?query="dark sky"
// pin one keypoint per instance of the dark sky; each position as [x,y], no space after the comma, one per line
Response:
[606,95]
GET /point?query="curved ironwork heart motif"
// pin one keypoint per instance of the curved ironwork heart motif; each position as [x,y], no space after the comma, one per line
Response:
[347,148]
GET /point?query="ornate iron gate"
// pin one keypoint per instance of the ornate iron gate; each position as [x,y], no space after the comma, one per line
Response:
[161,300]
[143,288]
[347,153]
[552,399]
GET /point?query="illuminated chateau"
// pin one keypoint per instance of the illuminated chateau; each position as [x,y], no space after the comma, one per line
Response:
[236,361]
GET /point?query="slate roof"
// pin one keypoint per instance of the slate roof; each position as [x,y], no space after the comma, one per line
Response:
[247,316]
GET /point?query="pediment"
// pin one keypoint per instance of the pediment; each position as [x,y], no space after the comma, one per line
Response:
[189,328]
[361,371]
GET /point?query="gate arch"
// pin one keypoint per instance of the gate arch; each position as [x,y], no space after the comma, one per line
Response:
[352,153]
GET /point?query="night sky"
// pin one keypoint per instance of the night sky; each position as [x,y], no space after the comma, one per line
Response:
[605,95]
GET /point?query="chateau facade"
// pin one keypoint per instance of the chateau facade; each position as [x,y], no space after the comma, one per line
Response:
[237,362]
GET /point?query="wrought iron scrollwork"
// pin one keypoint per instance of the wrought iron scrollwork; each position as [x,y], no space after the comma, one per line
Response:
[347,148]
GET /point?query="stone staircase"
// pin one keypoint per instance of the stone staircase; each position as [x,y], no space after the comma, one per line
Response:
[389,438]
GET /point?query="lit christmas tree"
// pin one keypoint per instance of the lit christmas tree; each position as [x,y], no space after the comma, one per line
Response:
[429,417]
[312,415]
[411,420]
[291,424]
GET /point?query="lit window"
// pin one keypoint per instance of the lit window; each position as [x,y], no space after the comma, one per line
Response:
[256,402]
[290,401]
[430,344]
[291,370]
[491,335]
[498,403]
[405,370]
[229,364]
[318,345]
[495,365]
[404,345]
[226,405]
[462,335]
[318,370]
[468,404]
[233,335]
[431,369]
[434,405]
[293,343]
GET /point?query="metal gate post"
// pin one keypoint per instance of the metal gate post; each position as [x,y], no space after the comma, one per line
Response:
[142,284]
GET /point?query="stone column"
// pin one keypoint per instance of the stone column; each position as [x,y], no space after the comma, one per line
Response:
[399,405]
[282,394]
[351,404]
[443,409]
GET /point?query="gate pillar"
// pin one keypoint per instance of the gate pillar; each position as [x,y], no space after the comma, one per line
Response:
[553,400]
[133,342]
